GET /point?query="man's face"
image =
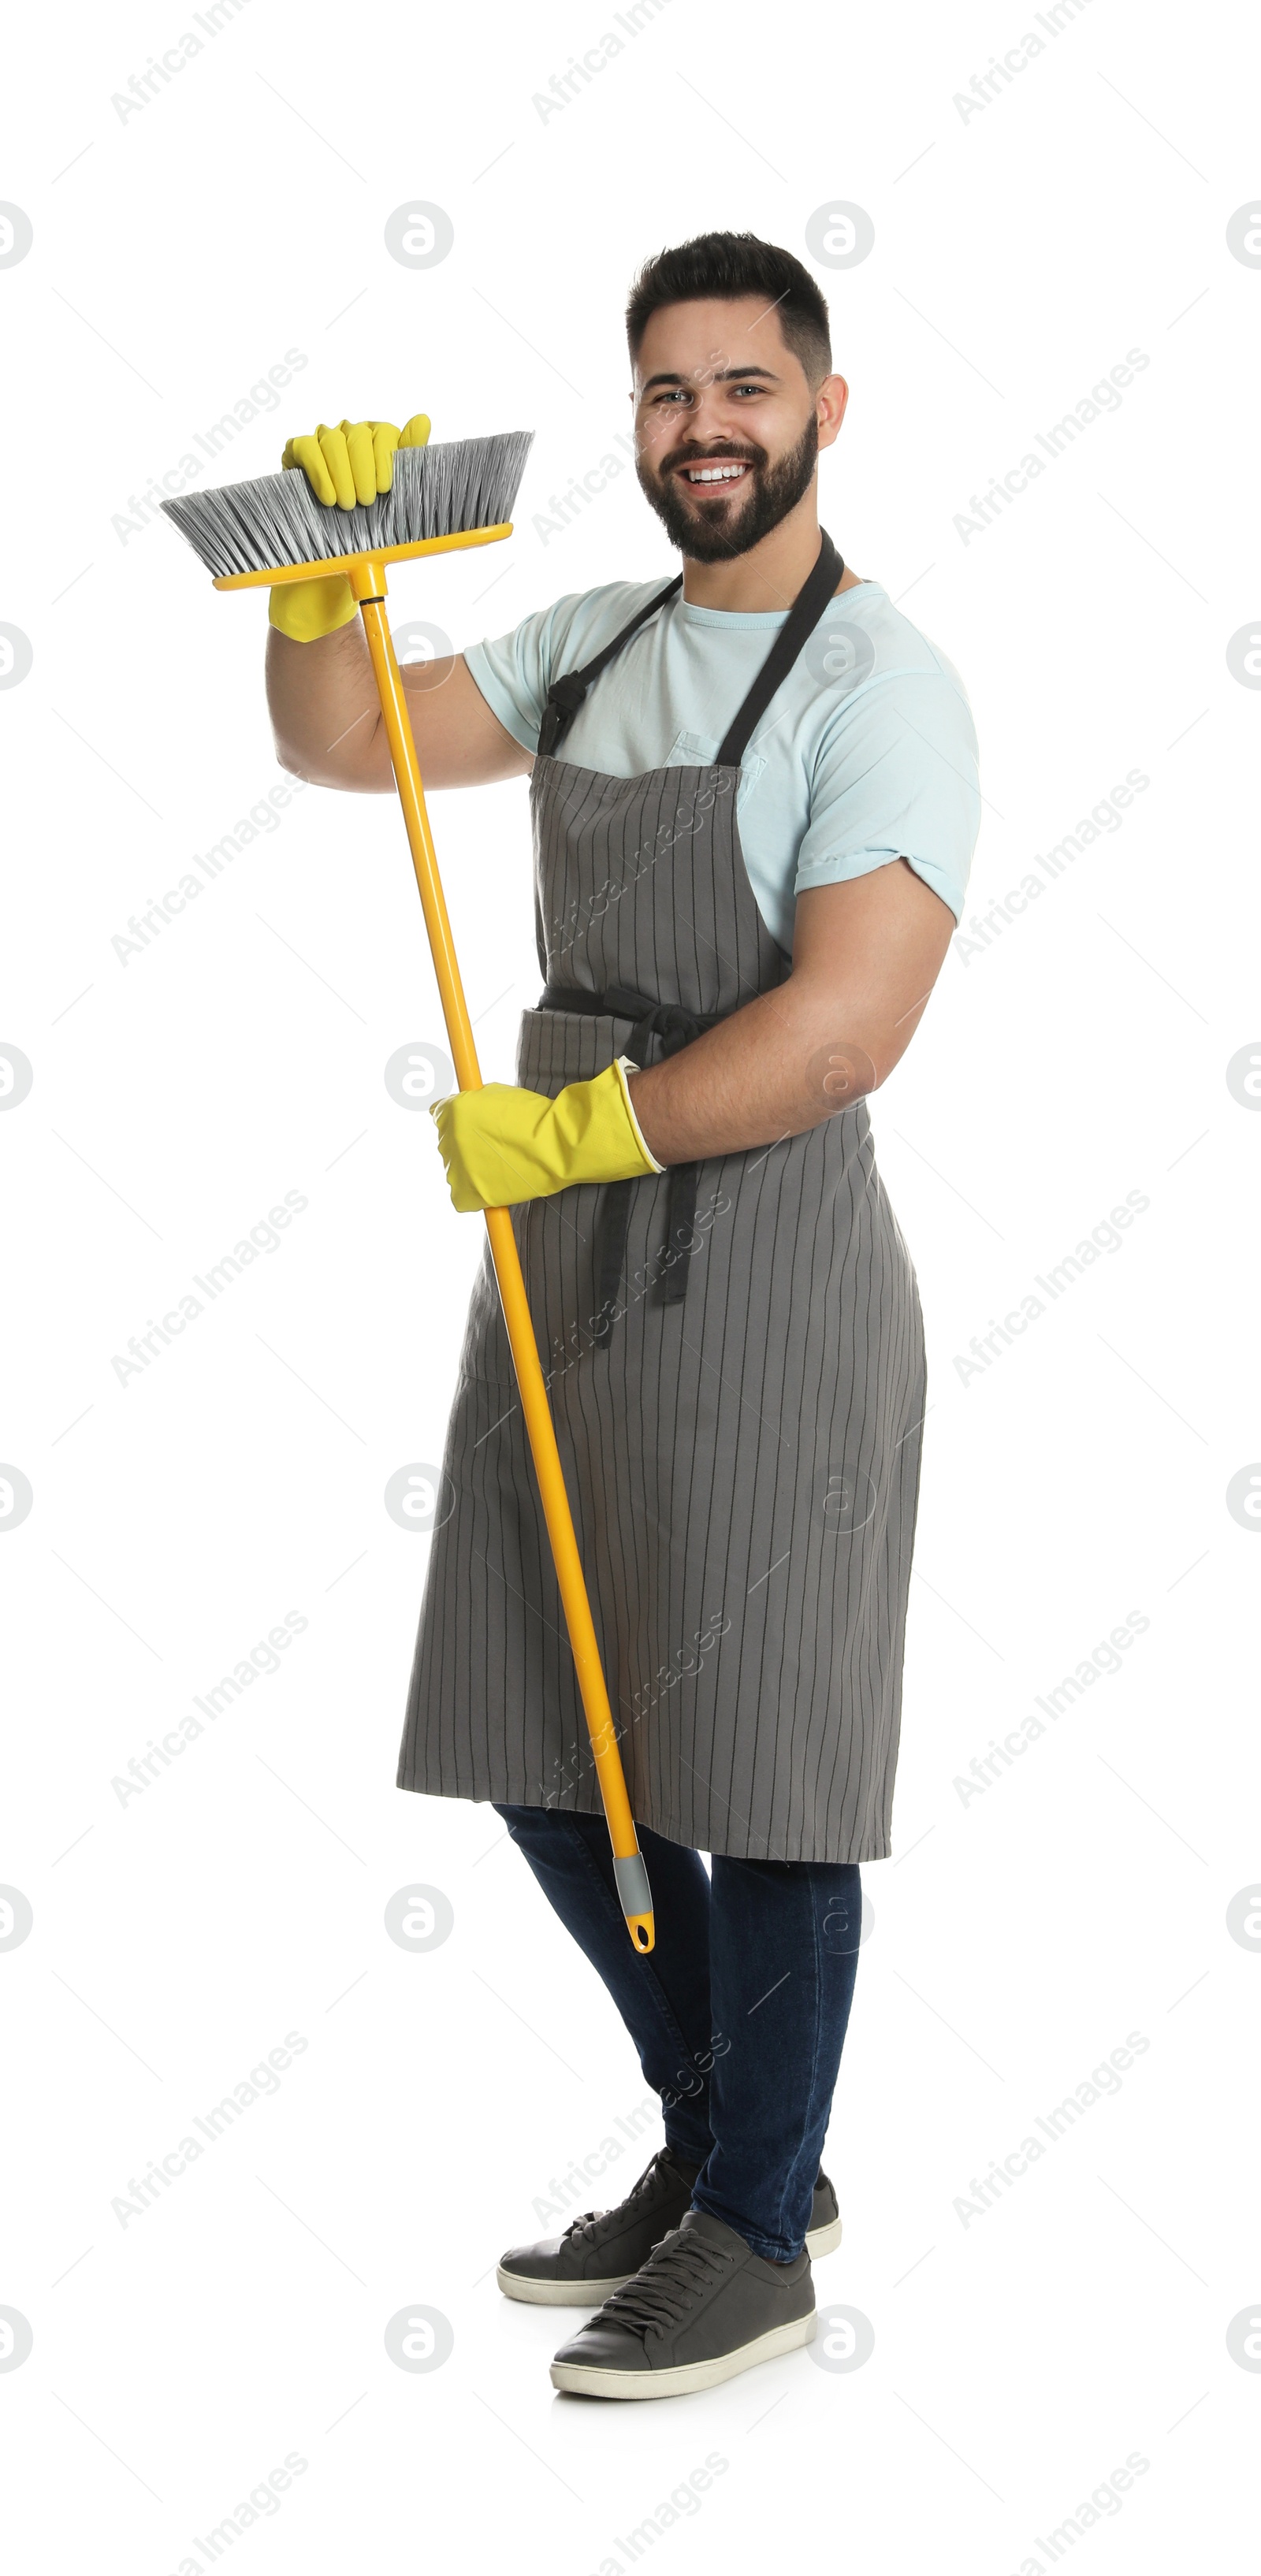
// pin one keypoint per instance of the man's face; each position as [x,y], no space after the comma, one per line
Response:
[727,428]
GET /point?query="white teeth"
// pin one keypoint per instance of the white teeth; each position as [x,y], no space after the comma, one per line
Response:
[713,473]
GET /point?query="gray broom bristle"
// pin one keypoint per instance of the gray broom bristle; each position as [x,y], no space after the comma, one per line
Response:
[437,491]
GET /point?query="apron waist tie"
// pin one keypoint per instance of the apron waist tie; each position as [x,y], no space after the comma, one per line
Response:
[676,1026]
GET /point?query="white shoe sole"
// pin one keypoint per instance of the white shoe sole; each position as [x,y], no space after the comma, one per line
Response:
[579,2379]
[592,2294]
[823,2240]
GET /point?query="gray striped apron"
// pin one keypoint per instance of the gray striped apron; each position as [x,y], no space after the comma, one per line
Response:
[734,1356]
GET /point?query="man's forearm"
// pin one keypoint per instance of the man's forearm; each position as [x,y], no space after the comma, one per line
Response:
[324,709]
[782,1064]
[866,954]
[326,716]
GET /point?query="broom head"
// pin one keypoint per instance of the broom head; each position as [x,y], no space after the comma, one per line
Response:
[457,493]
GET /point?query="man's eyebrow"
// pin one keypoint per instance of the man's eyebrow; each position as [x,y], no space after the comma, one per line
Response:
[720,376]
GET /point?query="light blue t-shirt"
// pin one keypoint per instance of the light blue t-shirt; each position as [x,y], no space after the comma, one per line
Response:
[866,753]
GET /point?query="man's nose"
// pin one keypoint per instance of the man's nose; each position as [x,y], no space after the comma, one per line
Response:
[711,417]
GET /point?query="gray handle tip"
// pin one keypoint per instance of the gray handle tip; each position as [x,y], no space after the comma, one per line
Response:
[632,1884]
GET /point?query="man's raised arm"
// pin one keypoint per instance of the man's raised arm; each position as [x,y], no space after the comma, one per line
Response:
[326,718]
[325,712]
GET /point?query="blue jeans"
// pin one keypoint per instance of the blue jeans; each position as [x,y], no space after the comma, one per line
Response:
[738,2014]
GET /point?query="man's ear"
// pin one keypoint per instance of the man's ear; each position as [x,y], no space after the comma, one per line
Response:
[829,408]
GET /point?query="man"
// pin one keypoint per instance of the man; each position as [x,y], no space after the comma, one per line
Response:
[754,802]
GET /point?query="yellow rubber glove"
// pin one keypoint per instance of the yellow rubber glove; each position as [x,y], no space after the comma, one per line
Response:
[502,1144]
[352,463]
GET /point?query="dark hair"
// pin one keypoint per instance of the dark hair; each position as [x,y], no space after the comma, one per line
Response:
[722,266]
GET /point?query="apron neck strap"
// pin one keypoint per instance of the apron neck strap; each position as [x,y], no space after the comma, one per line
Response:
[809,606]
[566,695]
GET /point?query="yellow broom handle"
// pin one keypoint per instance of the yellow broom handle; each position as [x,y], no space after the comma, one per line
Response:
[367,578]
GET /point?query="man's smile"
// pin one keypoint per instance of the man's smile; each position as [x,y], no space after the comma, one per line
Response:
[718,473]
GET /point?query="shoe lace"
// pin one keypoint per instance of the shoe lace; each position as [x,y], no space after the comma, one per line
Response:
[665,2286]
[595,2223]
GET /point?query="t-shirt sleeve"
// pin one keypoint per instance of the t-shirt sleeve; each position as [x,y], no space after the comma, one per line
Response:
[514,674]
[515,671]
[896,777]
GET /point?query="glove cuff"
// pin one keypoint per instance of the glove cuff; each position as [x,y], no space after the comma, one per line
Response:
[622,1065]
[305,610]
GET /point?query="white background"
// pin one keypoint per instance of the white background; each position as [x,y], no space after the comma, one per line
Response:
[1019,253]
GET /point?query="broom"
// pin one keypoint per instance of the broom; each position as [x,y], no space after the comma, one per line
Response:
[251,536]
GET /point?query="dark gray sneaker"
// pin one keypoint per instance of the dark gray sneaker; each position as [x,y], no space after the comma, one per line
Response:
[702,2308]
[606,2247]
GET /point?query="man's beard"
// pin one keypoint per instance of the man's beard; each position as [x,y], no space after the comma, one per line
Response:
[729,524]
